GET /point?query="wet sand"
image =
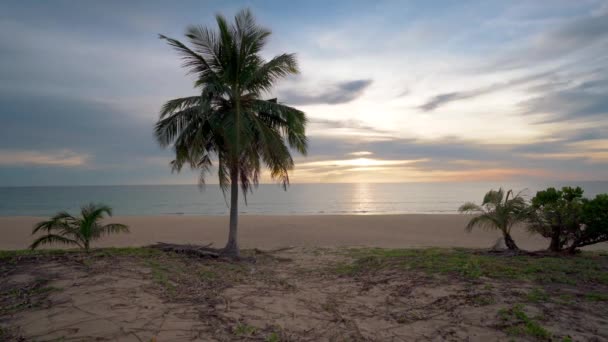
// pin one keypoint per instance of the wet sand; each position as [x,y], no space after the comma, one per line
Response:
[392,231]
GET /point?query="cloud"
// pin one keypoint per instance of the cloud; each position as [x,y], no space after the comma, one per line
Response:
[361,153]
[350,123]
[64,158]
[359,162]
[443,99]
[337,93]
[105,115]
[586,101]
[570,38]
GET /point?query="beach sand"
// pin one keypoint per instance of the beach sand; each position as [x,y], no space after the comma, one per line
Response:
[391,231]
[303,293]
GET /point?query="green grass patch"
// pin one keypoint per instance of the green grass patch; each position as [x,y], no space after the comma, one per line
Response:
[537,295]
[586,267]
[520,324]
[207,274]
[245,330]
[6,256]
[127,251]
[31,295]
[273,337]
[160,274]
[597,297]
[483,300]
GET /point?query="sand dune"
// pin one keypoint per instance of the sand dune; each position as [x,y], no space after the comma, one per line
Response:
[394,231]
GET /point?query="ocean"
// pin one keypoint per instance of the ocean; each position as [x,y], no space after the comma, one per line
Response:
[267,199]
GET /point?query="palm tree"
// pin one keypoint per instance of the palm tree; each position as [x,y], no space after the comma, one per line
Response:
[229,122]
[80,231]
[497,212]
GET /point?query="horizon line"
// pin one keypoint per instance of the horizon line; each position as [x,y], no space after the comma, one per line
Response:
[303,183]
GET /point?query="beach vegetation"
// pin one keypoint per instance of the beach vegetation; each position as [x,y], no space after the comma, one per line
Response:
[273,337]
[597,297]
[499,210]
[33,295]
[568,219]
[586,267]
[80,231]
[160,274]
[229,122]
[244,330]
[516,293]
[555,214]
[537,295]
[519,323]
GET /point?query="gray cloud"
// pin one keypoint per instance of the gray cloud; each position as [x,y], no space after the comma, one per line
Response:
[404,93]
[337,93]
[458,154]
[40,134]
[403,148]
[587,134]
[573,37]
[584,102]
[351,123]
[64,77]
[443,99]
[41,122]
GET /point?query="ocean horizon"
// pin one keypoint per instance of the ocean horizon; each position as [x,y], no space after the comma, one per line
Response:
[267,199]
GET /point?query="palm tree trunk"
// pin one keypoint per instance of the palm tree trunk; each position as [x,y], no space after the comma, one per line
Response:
[232,246]
[510,242]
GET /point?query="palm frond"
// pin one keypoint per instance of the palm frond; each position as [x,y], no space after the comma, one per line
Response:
[60,221]
[93,212]
[264,77]
[179,104]
[290,121]
[493,197]
[484,221]
[53,238]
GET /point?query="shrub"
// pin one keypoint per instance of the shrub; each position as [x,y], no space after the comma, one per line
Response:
[80,231]
[568,219]
[556,214]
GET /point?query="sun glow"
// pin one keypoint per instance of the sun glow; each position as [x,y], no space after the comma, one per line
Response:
[360,162]
[361,153]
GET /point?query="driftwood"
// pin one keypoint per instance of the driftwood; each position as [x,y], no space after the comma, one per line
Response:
[194,250]
[260,251]
[519,252]
[271,252]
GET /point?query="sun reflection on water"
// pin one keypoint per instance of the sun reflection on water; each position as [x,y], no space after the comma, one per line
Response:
[362,198]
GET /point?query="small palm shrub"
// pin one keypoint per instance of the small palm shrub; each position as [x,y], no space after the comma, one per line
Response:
[80,231]
[497,211]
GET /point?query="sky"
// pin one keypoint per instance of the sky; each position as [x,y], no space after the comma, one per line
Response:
[395,91]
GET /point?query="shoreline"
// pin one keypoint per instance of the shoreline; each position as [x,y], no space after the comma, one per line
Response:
[275,231]
[396,213]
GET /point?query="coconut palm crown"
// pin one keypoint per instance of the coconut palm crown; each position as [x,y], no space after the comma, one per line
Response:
[497,211]
[228,121]
[66,229]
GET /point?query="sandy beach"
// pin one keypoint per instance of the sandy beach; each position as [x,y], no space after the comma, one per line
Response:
[391,231]
[301,293]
